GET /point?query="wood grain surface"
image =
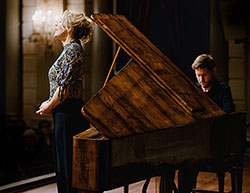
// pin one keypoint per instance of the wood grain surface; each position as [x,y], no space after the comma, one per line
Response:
[150,93]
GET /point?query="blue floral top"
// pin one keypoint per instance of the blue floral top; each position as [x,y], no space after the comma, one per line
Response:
[68,71]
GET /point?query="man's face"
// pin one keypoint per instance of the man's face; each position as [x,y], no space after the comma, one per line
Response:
[205,77]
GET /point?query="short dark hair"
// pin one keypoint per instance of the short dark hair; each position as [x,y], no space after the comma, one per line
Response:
[204,61]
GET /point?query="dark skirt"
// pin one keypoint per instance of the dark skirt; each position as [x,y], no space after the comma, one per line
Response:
[68,121]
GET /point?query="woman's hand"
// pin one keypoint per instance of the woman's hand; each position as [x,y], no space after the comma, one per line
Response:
[45,108]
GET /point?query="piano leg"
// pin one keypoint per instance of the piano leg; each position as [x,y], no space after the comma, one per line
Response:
[167,183]
[145,186]
[221,177]
[125,188]
[237,173]
[236,180]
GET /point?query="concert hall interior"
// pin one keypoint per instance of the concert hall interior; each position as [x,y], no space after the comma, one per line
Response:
[137,63]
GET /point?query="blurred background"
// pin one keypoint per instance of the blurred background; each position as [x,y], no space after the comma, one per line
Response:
[181,29]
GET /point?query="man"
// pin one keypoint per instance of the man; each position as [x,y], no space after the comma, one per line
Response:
[205,69]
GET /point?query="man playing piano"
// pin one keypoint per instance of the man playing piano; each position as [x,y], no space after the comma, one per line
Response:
[205,69]
[220,92]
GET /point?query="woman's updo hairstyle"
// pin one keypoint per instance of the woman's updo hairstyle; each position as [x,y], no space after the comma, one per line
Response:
[83,26]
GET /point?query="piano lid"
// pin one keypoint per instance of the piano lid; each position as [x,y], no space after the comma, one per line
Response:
[149,93]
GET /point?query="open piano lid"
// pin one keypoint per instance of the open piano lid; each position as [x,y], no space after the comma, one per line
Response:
[149,93]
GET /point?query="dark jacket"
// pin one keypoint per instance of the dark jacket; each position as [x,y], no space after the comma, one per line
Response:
[220,93]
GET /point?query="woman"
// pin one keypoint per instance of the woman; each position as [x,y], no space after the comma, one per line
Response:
[66,92]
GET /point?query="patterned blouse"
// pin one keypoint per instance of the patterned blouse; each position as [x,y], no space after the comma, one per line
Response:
[68,71]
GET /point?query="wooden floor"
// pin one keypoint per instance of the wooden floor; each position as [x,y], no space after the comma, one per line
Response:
[206,181]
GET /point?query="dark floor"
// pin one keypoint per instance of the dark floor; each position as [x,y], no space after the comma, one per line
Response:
[206,181]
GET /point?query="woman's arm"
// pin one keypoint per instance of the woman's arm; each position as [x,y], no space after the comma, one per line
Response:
[47,106]
[70,69]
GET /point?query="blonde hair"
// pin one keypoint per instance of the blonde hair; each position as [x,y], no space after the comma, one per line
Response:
[204,61]
[83,26]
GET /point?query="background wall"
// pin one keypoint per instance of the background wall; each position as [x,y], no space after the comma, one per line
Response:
[99,51]
[2,62]
[218,43]
[13,66]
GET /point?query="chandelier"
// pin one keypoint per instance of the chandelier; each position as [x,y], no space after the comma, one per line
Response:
[43,22]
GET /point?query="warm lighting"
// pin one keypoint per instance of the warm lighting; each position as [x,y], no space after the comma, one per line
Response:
[43,22]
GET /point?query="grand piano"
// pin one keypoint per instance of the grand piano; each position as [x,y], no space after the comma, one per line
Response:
[148,120]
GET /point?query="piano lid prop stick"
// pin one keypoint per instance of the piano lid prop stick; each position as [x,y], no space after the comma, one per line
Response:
[116,54]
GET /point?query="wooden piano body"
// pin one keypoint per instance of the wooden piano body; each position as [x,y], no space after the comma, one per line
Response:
[149,119]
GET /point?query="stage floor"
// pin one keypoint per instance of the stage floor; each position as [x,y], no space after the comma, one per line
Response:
[206,181]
